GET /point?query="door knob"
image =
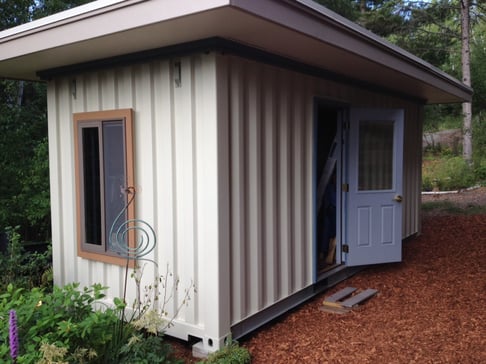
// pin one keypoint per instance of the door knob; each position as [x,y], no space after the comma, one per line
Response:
[398,198]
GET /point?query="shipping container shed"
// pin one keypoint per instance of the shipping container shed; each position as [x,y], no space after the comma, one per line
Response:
[274,148]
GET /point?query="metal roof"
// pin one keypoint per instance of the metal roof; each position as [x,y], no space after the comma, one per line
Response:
[298,30]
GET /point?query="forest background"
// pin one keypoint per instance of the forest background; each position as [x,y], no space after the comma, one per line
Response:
[429,29]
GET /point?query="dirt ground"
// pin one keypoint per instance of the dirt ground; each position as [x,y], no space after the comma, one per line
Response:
[475,196]
[430,308]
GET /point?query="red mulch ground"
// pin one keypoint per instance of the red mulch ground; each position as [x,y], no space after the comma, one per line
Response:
[431,308]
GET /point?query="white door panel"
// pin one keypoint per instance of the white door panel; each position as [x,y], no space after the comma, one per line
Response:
[373,229]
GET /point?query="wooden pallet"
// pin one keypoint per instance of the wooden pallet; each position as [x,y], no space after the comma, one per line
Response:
[344,300]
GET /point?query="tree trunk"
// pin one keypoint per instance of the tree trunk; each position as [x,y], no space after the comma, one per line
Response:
[466,79]
[362,7]
[20,93]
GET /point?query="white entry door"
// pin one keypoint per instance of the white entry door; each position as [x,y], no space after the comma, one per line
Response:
[373,217]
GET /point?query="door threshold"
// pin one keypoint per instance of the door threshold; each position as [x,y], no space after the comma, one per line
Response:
[329,271]
[326,267]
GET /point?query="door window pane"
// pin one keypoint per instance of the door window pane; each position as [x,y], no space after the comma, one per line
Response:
[375,155]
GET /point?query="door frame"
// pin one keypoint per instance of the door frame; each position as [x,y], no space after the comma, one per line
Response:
[342,112]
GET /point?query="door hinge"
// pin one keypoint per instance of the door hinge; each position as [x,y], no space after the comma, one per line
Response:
[345,248]
[345,187]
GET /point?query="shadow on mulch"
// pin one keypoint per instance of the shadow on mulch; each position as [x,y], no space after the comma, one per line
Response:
[429,309]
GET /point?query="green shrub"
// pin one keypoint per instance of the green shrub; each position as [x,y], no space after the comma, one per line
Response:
[428,183]
[479,148]
[21,268]
[480,171]
[147,349]
[64,318]
[442,117]
[65,326]
[447,173]
[231,353]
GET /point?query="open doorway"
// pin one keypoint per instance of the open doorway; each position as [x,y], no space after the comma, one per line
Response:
[327,151]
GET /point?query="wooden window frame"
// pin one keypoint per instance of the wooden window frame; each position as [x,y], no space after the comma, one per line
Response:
[84,249]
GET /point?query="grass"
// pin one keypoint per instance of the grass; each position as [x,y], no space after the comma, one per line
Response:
[444,168]
[446,172]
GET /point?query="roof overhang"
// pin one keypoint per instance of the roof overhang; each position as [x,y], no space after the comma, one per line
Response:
[298,30]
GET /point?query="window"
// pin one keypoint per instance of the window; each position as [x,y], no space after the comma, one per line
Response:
[104,171]
[375,155]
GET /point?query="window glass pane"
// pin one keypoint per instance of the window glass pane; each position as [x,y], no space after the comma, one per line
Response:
[375,155]
[92,188]
[114,177]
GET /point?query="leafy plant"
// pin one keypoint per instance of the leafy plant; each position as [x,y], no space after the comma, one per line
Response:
[21,268]
[445,169]
[33,321]
[150,319]
[72,325]
[231,353]
[63,326]
[442,117]
[147,349]
[33,200]
[479,147]
[68,326]
[447,173]
[64,318]
[153,300]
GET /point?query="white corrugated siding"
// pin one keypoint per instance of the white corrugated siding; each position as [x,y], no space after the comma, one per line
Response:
[271,166]
[271,202]
[176,177]
[223,170]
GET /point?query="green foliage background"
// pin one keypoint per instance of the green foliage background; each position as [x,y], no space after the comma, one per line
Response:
[24,188]
[431,30]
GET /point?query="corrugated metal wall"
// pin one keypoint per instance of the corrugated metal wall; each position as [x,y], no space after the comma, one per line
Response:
[271,167]
[176,177]
[223,166]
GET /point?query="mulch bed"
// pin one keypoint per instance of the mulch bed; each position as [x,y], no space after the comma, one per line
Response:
[431,308]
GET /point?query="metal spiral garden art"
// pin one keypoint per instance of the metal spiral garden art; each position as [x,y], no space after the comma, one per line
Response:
[145,237]
[144,242]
